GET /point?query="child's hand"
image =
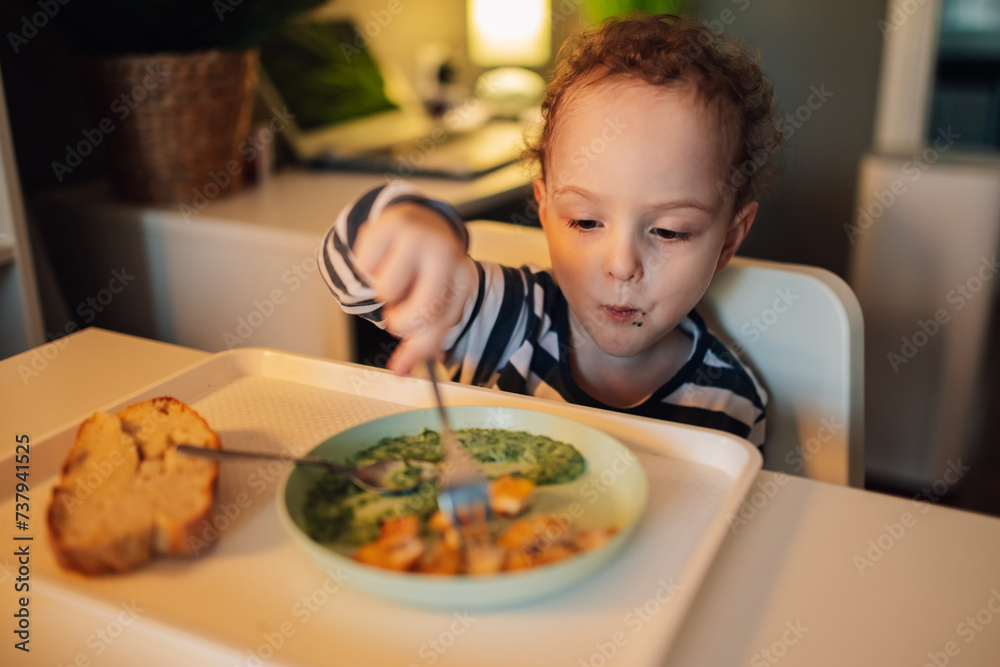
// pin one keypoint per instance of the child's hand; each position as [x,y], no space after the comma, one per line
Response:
[419,270]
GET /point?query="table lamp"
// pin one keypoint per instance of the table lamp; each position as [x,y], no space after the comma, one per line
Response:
[509,36]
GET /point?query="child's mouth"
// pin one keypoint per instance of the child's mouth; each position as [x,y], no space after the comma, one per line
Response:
[621,313]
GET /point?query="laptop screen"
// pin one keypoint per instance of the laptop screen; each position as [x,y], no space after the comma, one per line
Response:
[323,75]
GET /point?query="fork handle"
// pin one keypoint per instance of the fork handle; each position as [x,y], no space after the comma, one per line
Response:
[207,453]
[432,373]
[452,448]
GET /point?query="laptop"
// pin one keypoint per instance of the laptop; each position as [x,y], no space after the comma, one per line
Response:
[352,111]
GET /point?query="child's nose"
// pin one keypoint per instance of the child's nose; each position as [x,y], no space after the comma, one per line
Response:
[622,261]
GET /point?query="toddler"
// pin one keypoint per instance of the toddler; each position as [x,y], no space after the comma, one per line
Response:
[654,147]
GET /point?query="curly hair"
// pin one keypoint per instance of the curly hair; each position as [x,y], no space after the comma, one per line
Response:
[664,50]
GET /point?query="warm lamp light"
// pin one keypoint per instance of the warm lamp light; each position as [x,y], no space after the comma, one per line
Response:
[509,32]
[510,35]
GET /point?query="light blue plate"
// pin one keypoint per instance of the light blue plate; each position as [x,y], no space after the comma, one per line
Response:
[612,492]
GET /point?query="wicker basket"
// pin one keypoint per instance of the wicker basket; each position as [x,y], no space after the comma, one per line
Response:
[178,121]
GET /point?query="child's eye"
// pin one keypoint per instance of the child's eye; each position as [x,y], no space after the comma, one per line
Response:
[671,235]
[582,224]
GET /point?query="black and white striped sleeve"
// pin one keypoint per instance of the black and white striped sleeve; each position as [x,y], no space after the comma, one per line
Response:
[494,325]
[336,260]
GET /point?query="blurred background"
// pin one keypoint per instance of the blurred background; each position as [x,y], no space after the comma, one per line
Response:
[891,178]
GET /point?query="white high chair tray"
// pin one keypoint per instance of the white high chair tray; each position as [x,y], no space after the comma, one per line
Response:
[256,597]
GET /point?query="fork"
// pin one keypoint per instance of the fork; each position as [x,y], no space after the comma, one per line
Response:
[370,477]
[463,494]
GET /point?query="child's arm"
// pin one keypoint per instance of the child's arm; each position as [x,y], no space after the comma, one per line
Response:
[400,261]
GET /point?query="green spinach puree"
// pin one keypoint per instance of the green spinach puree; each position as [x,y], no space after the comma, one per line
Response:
[337,511]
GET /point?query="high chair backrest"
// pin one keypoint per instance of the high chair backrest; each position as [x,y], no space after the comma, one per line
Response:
[798,327]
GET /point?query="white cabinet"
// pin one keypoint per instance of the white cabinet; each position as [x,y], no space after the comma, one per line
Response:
[207,283]
[925,273]
[924,241]
[241,272]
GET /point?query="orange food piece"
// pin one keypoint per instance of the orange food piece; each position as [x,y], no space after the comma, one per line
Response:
[518,560]
[587,539]
[519,536]
[400,555]
[400,528]
[442,558]
[484,559]
[511,496]
[525,543]
[440,523]
[398,546]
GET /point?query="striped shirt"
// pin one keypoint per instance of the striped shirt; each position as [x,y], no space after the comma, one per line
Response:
[514,335]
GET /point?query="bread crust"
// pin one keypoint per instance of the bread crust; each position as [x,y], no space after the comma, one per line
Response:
[116,518]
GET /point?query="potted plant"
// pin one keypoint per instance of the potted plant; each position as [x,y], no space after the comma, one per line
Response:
[595,11]
[173,82]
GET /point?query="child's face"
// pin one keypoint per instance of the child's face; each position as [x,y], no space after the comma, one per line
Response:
[635,219]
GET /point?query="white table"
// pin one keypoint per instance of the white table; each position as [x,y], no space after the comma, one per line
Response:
[813,574]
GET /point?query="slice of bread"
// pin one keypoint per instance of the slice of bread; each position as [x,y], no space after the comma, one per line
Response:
[125,494]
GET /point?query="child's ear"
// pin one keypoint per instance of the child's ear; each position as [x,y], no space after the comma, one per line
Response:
[738,230]
[540,198]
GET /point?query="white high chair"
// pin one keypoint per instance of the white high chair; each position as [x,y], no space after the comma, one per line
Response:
[798,327]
